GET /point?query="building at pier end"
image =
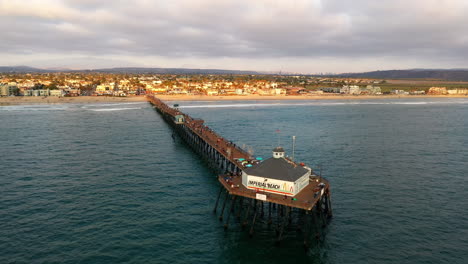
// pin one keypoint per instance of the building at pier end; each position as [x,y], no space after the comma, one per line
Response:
[278,175]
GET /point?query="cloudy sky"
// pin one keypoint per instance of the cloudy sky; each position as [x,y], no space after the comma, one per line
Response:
[307,36]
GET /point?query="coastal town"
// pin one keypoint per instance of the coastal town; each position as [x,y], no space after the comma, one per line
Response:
[123,85]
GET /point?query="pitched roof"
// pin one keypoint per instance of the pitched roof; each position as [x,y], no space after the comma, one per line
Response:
[279,169]
[278,149]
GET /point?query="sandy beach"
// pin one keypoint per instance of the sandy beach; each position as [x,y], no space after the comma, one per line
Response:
[107,99]
[17,100]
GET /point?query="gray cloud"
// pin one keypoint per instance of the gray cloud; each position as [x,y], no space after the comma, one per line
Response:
[422,33]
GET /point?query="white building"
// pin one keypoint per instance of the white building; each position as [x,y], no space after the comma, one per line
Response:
[354,89]
[457,91]
[8,89]
[58,92]
[350,89]
[277,175]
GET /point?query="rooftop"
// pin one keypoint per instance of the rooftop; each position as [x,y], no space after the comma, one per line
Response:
[279,169]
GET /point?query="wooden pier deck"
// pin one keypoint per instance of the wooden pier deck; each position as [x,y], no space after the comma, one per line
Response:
[306,199]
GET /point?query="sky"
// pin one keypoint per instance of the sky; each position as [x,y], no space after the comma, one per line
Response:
[302,36]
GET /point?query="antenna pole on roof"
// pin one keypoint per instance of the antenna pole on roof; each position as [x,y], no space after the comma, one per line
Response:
[293,146]
[278,133]
[320,171]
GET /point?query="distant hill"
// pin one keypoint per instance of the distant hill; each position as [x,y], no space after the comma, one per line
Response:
[26,69]
[20,69]
[441,74]
[172,71]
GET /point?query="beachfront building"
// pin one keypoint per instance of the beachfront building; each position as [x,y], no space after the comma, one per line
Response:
[105,88]
[178,91]
[437,90]
[350,89]
[58,92]
[335,90]
[8,89]
[211,92]
[276,91]
[400,92]
[372,90]
[315,92]
[277,175]
[40,92]
[459,91]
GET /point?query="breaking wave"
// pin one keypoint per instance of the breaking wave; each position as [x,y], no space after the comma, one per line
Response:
[34,108]
[114,109]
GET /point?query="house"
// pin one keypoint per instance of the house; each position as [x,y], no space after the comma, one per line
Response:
[330,89]
[72,92]
[354,89]
[239,91]
[316,92]
[211,92]
[58,92]
[371,89]
[41,92]
[295,90]
[400,92]
[103,88]
[279,91]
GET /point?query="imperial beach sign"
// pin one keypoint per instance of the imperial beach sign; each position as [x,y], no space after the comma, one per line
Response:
[270,185]
[264,185]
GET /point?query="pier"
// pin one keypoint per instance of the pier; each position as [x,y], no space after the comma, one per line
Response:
[278,192]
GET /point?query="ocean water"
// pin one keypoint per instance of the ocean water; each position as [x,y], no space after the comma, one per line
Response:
[105,183]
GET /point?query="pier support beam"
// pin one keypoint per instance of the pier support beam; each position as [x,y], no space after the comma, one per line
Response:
[317,226]
[329,206]
[253,220]
[244,223]
[283,224]
[241,205]
[224,205]
[233,200]
[269,213]
[217,200]
[307,229]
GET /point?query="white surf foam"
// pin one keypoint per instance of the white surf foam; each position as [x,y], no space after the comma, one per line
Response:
[114,109]
[34,108]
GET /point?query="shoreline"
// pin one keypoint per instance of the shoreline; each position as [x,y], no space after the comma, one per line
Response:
[4,101]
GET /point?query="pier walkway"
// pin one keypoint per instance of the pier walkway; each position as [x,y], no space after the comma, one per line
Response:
[228,150]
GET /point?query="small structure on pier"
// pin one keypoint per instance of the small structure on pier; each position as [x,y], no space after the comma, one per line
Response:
[179,119]
[277,175]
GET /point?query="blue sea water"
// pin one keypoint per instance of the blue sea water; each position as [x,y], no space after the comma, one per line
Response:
[105,183]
